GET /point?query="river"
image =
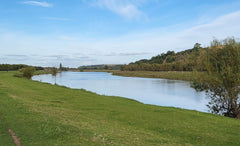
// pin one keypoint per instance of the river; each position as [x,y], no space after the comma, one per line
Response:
[161,92]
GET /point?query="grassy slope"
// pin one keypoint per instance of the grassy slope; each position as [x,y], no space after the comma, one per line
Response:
[43,114]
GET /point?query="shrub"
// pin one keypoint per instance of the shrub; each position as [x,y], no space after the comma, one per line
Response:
[27,72]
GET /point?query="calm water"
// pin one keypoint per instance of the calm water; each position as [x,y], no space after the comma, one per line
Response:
[146,90]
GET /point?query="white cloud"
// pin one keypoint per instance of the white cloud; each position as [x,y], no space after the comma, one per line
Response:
[221,27]
[126,8]
[37,3]
[123,49]
[127,54]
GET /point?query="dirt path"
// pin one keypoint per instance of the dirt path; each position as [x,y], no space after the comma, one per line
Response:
[14,137]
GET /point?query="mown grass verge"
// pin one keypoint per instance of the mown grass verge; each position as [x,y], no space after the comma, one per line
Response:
[44,114]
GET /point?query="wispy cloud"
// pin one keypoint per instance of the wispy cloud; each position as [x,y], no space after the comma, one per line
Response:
[56,18]
[126,8]
[37,3]
[16,57]
[77,50]
[128,54]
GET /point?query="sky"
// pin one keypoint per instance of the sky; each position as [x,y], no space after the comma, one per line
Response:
[87,32]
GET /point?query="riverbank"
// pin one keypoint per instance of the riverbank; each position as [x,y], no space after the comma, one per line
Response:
[173,75]
[44,114]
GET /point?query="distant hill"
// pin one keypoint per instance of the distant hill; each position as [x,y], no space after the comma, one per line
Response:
[170,61]
[101,67]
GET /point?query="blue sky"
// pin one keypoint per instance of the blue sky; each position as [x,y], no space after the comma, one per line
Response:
[84,32]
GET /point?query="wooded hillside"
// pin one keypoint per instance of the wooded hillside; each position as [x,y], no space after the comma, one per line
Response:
[188,60]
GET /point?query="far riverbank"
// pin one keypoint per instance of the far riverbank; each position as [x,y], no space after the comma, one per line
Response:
[173,75]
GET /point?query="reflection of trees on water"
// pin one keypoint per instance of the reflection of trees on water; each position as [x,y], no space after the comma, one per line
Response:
[181,88]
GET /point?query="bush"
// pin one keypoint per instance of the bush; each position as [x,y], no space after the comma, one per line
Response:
[27,72]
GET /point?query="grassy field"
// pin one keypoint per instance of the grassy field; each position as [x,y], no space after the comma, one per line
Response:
[44,114]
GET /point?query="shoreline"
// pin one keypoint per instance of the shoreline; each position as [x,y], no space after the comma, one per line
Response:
[172,75]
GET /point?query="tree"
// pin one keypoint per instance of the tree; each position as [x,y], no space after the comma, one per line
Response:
[28,72]
[54,72]
[105,67]
[222,83]
[60,67]
[197,46]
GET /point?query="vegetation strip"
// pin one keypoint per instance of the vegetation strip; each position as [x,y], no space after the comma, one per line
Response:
[172,75]
[14,137]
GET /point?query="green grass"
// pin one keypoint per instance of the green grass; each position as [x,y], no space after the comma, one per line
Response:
[44,114]
[174,75]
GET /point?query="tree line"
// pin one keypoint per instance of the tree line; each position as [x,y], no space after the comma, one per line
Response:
[14,67]
[187,60]
[100,67]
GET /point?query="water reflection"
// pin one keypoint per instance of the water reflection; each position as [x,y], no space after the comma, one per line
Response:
[147,90]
